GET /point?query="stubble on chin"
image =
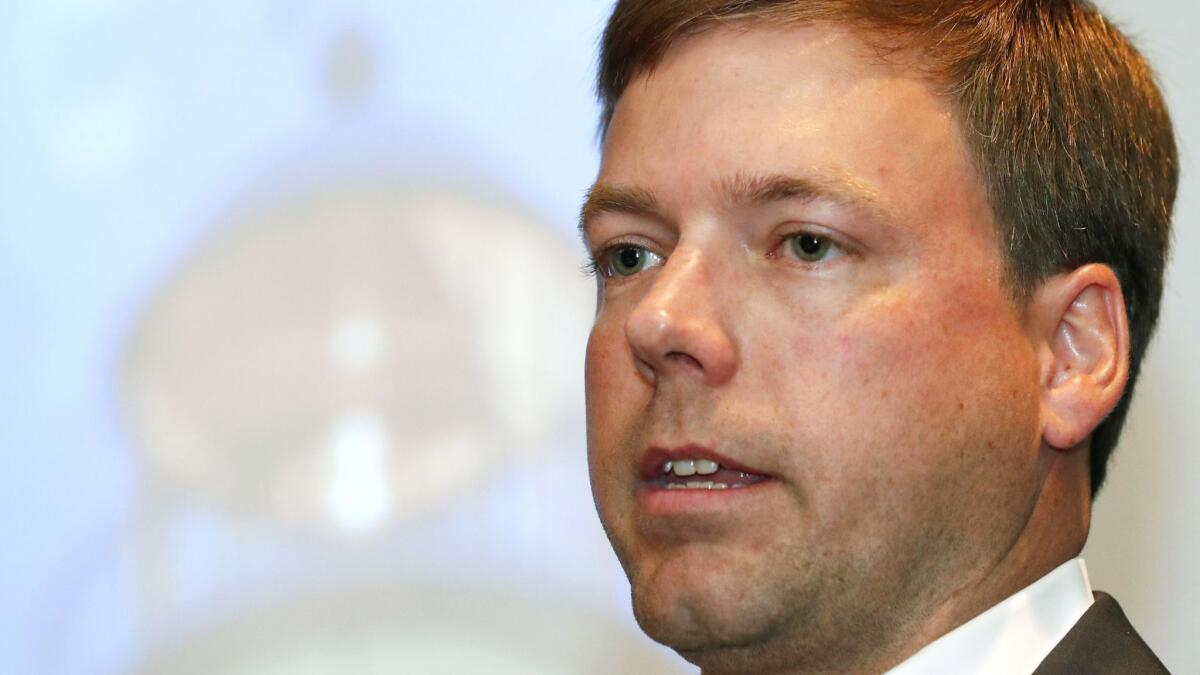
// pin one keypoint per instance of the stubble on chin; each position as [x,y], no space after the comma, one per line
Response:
[787,621]
[791,608]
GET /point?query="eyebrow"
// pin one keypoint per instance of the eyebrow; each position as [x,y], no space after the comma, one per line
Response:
[748,190]
[739,191]
[602,199]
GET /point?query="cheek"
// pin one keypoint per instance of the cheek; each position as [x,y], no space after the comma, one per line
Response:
[614,397]
[607,365]
[941,348]
[599,382]
[905,391]
[602,444]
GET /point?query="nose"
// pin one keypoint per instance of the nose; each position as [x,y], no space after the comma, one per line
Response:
[676,330]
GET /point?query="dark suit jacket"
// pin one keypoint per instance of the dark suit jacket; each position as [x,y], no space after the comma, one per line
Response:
[1101,643]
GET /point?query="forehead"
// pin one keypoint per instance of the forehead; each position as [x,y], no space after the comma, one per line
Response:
[736,68]
[812,100]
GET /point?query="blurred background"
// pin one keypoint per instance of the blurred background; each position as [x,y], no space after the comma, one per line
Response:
[292,334]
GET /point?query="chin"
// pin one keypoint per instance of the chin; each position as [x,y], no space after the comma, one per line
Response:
[701,609]
[726,613]
[714,636]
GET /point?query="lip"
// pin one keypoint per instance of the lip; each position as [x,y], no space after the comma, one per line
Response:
[671,509]
[654,458]
[712,506]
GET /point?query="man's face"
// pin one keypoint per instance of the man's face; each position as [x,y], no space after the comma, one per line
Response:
[800,281]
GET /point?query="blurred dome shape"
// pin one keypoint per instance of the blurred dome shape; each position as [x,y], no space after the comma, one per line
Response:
[393,628]
[351,354]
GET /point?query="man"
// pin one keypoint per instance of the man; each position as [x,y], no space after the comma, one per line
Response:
[874,282]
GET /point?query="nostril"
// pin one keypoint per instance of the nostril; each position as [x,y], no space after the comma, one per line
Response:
[684,359]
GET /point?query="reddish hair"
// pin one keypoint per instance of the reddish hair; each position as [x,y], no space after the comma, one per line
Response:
[1063,117]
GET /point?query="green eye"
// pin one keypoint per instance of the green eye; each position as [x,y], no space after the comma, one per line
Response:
[810,247]
[625,261]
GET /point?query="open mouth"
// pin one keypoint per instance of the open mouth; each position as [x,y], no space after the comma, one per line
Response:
[703,474]
[694,468]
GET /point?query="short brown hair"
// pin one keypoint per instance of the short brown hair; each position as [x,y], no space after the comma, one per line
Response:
[1065,122]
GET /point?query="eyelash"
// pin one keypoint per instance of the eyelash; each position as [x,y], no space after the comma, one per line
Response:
[597,263]
[834,244]
[591,268]
[597,266]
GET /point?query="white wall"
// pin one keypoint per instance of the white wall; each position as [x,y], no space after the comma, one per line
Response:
[1145,542]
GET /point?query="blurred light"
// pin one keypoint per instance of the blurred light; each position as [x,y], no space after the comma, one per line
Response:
[359,499]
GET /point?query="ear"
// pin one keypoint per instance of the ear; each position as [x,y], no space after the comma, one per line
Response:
[1080,324]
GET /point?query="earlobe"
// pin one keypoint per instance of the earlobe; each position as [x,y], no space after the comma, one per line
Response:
[1084,334]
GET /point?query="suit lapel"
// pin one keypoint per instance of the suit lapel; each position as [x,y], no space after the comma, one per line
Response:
[1102,642]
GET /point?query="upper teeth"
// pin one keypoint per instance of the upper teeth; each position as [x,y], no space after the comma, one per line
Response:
[691,467]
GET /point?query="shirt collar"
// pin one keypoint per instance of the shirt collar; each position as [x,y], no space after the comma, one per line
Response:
[1013,636]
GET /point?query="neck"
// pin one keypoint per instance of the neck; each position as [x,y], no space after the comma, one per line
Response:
[1054,533]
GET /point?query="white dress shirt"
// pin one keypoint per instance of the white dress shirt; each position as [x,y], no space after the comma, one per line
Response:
[1014,636]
